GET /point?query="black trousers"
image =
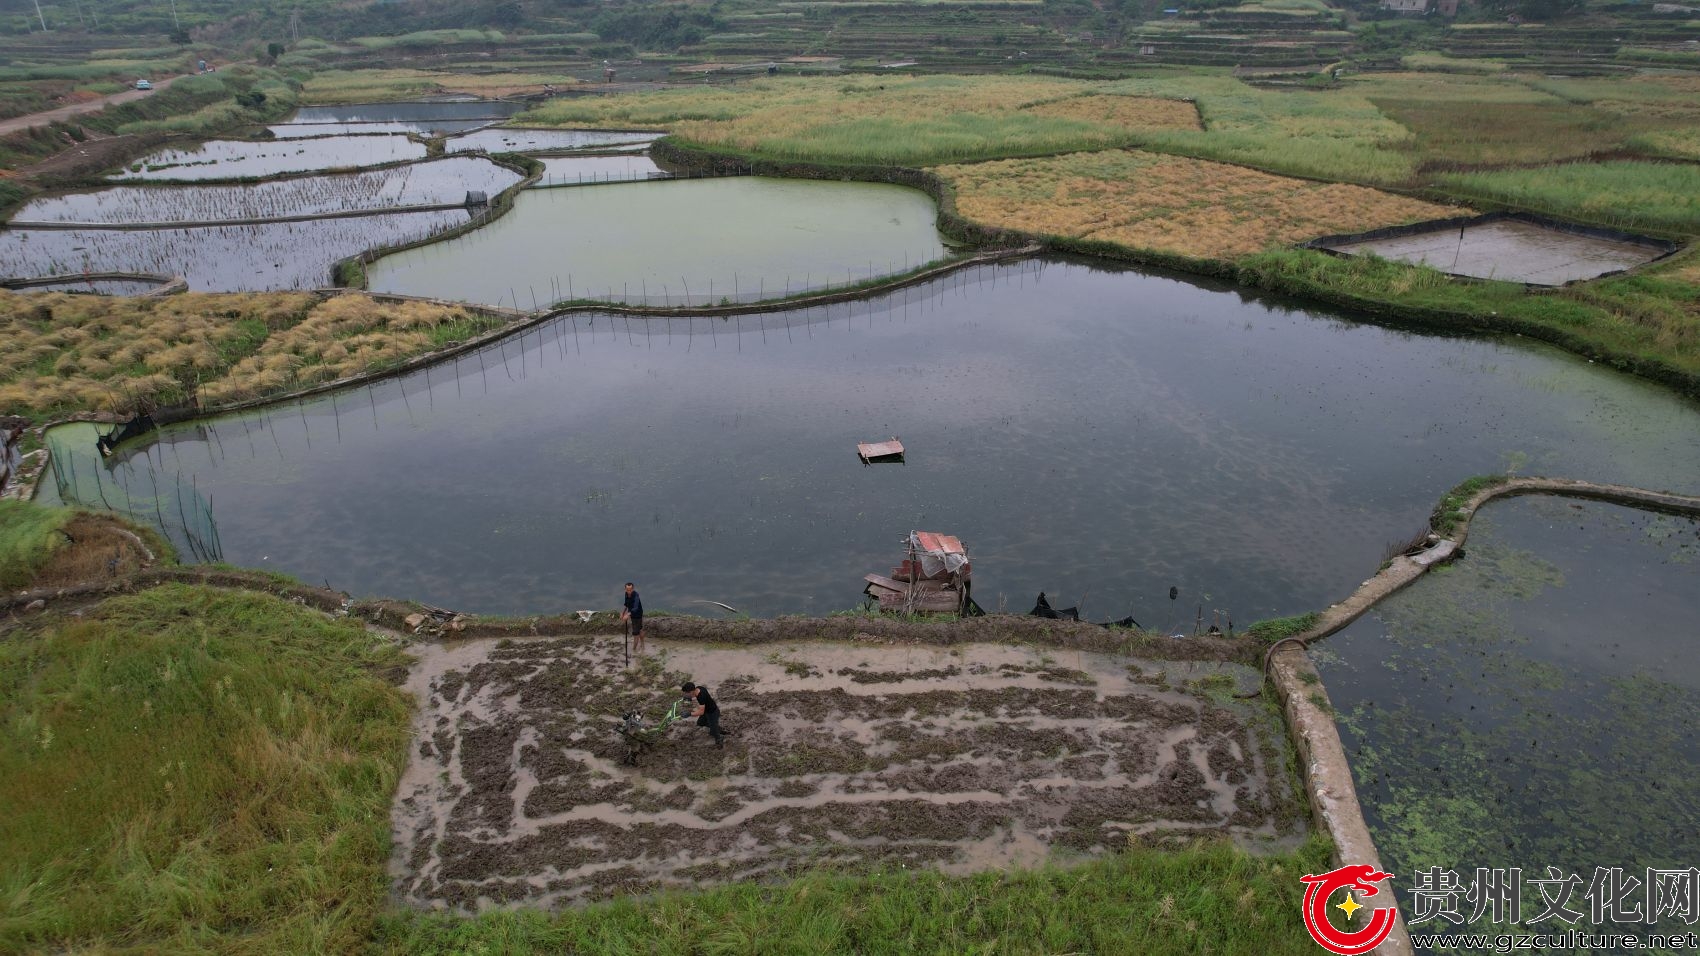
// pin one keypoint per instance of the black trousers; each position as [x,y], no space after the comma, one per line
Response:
[712,722]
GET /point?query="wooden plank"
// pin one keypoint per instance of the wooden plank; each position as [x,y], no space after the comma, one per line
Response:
[881,581]
[936,601]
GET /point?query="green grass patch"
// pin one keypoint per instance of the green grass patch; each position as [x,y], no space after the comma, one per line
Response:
[195,770]
[29,534]
[1279,628]
[1199,897]
[1336,134]
[1627,193]
[1450,513]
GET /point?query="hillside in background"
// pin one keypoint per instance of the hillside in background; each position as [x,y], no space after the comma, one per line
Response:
[1086,37]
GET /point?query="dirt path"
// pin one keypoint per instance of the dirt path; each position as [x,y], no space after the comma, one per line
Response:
[66,112]
[846,755]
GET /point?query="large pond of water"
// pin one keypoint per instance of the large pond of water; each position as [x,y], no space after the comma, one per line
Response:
[1533,704]
[665,243]
[1086,430]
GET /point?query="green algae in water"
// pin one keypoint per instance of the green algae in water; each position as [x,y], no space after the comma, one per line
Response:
[1532,705]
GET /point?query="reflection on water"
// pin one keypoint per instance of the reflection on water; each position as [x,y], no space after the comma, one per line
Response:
[1087,431]
[1533,704]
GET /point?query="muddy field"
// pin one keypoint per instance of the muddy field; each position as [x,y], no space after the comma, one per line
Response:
[848,756]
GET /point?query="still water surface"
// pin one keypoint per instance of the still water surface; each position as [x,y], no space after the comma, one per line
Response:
[663,242]
[1086,430]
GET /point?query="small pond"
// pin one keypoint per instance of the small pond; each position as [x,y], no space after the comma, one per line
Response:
[237,159]
[222,258]
[427,130]
[1086,430]
[516,140]
[424,183]
[424,119]
[1533,704]
[572,170]
[737,239]
[421,113]
[1509,249]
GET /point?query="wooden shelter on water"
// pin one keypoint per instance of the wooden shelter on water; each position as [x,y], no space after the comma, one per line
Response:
[934,578]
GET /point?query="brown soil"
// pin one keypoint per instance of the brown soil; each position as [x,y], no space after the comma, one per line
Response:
[97,548]
[962,758]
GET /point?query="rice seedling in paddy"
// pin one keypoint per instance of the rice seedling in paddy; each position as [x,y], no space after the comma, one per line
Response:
[352,86]
[237,159]
[1630,194]
[885,119]
[425,183]
[62,353]
[1170,204]
[226,258]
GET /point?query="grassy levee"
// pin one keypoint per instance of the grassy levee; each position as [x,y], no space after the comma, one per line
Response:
[1202,897]
[193,770]
[1646,324]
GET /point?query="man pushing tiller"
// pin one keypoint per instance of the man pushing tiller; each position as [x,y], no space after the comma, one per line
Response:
[706,711]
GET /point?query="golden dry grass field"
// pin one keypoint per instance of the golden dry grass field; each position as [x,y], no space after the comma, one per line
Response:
[354,86]
[1172,204]
[61,352]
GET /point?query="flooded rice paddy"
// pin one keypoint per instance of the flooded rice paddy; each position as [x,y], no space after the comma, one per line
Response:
[424,183]
[571,170]
[97,286]
[423,119]
[842,756]
[239,159]
[1511,250]
[223,258]
[1533,704]
[677,242]
[508,139]
[420,112]
[1088,431]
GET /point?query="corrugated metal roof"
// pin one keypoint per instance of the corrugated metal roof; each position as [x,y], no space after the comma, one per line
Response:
[940,543]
